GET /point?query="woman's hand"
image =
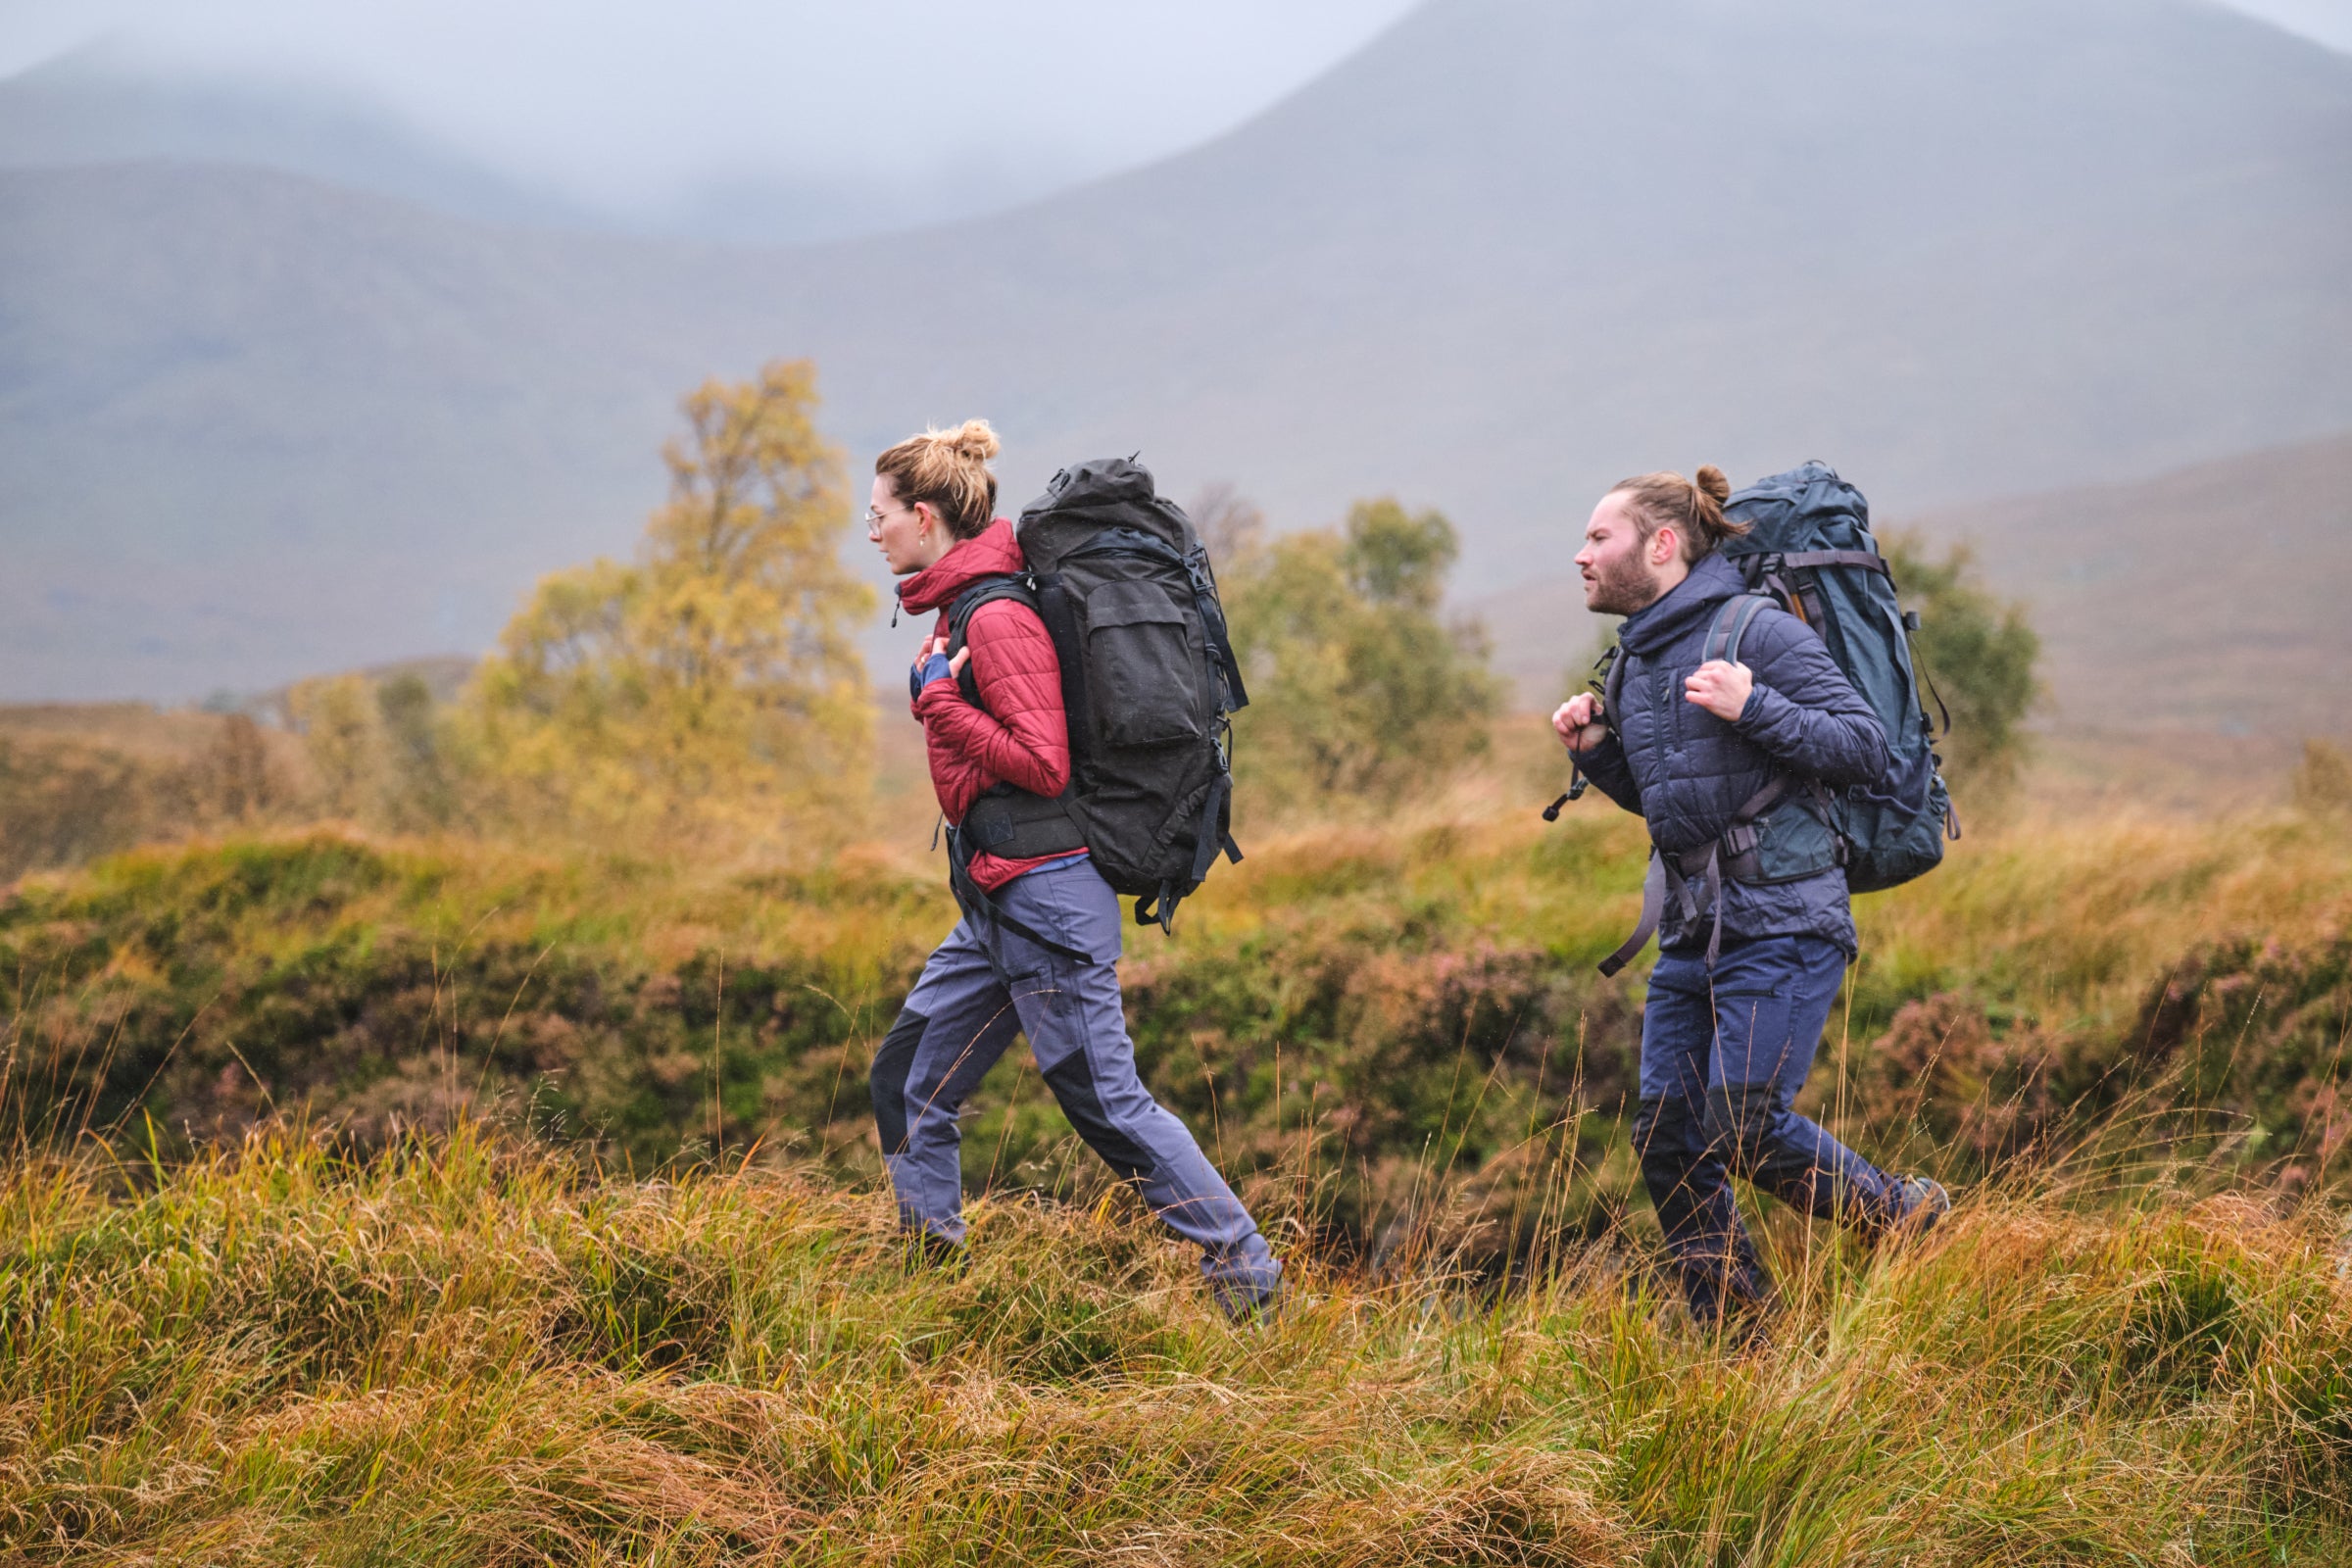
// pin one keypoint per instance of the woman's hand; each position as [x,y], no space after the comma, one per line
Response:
[1577,722]
[1721,688]
[933,662]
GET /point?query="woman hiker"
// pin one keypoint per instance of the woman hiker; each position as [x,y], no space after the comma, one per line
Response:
[1038,947]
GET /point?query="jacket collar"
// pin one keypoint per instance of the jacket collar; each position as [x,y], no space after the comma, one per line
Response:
[995,553]
[1690,601]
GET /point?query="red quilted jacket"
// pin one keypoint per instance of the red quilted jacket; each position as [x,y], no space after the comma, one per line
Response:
[1017,734]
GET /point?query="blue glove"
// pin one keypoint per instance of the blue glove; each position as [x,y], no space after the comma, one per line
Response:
[933,668]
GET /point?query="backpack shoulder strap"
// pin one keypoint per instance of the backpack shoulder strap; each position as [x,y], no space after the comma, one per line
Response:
[982,591]
[1612,685]
[1730,625]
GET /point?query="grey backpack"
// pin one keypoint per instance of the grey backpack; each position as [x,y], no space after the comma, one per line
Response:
[1149,682]
[1809,551]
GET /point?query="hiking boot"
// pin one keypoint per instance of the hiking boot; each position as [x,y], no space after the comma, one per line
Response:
[1247,1303]
[1925,1202]
[926,1253]
[1748,1332]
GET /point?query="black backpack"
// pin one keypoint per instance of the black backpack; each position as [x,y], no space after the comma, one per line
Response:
[1149,682]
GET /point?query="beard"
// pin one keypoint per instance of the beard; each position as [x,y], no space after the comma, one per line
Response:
[1621,587]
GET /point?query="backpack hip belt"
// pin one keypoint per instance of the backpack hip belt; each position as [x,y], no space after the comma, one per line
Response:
[1013,824]
[1731,855]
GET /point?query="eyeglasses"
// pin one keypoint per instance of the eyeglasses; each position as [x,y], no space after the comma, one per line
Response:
[874,518]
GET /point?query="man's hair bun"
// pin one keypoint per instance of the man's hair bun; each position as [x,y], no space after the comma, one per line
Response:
[1691,508]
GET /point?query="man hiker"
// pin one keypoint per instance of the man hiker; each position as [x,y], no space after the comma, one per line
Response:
[1038,946]
[1747,969]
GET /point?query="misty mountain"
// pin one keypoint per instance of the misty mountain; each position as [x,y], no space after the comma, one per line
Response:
[89,108]
[98,106]
[252,427]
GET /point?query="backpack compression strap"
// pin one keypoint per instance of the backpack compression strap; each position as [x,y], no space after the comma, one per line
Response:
[982,909]
[1778,570]
[1653,910]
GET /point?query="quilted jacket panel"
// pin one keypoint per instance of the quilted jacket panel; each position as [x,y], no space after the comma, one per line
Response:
[1017,733]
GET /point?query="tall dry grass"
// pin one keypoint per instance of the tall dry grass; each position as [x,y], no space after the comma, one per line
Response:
[470,1351]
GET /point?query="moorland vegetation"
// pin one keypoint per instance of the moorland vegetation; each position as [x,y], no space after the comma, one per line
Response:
[460,1152]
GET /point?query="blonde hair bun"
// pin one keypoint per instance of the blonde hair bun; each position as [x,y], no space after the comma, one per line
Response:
[948,470]
[976,440]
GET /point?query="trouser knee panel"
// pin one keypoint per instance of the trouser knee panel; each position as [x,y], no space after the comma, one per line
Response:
[1668,1132]
[886,1080]
[1743,1121]
[1072,1081]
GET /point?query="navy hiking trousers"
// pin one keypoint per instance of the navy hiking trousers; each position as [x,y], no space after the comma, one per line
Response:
[986,983]
[1723,1056]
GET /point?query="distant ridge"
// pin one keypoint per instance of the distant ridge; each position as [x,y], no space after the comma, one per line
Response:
[90,106]
[252,427]
[2208,600]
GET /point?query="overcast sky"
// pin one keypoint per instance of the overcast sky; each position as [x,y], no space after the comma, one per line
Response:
[631,106]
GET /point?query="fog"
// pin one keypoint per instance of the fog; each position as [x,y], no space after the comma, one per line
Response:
[656,111]
[698,115]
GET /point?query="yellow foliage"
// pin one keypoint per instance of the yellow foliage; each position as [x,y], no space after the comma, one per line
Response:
[336,716]
[1357,689]
[2322,781]
[713,686]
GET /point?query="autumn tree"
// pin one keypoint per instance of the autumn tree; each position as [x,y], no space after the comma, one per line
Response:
[1359,687]
[343,737]
[714,683]
[2321,782]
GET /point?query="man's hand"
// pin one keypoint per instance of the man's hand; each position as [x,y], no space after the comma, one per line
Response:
[1577,722]
[1721,688]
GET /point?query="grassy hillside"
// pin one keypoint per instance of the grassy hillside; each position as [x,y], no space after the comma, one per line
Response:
[423,1202]
[1380,1026]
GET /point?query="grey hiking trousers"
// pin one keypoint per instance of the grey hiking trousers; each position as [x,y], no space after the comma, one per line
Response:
[983,985]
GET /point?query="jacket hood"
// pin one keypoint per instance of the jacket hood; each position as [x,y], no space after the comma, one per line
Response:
[1694,599]
[995,553]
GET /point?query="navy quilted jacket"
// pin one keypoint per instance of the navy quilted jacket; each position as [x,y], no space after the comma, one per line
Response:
[1687,771]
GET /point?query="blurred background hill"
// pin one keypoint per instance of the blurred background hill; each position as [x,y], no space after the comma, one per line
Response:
[257,424]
